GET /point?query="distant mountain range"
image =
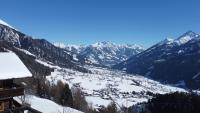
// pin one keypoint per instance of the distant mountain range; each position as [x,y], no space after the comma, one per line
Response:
[102,53]
[170,61]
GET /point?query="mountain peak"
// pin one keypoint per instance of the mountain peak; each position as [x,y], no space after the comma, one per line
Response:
[186,37]
[103,43]
[6,24]
[166,41]
[59,44]
[189,34]
[103,53]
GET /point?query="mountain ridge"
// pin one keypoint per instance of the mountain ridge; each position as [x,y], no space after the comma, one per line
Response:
[5,23]
[170,62]
[41,48]
[103,53]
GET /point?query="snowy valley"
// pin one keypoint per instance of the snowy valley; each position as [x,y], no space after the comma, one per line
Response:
[85,68]
[103,86]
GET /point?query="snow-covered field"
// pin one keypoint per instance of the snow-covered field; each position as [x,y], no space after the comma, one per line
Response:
[46,106]
[103,86]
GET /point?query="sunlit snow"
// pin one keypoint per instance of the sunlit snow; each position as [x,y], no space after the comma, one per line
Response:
[12,67]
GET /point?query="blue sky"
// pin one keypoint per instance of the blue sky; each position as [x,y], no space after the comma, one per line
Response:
[144,22]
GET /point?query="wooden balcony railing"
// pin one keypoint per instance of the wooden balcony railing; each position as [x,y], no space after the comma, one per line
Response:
[15,90]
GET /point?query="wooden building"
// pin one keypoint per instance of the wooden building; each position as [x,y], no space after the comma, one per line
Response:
[11,68]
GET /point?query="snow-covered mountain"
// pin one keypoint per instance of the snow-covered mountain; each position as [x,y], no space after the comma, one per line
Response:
[180,40]
[174,61]
[103,53]
[76,49]
[10,38]
[8,34]
[6,24]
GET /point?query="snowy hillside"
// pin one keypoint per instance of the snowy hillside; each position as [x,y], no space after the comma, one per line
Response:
[103,53]
[170,61]
[41,48]
[46,106]
[9,34]
[103,86]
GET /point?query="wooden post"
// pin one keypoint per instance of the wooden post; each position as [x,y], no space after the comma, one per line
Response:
[1,106]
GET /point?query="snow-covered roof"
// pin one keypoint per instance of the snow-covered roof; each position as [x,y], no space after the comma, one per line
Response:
[46,106]
[12,67]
